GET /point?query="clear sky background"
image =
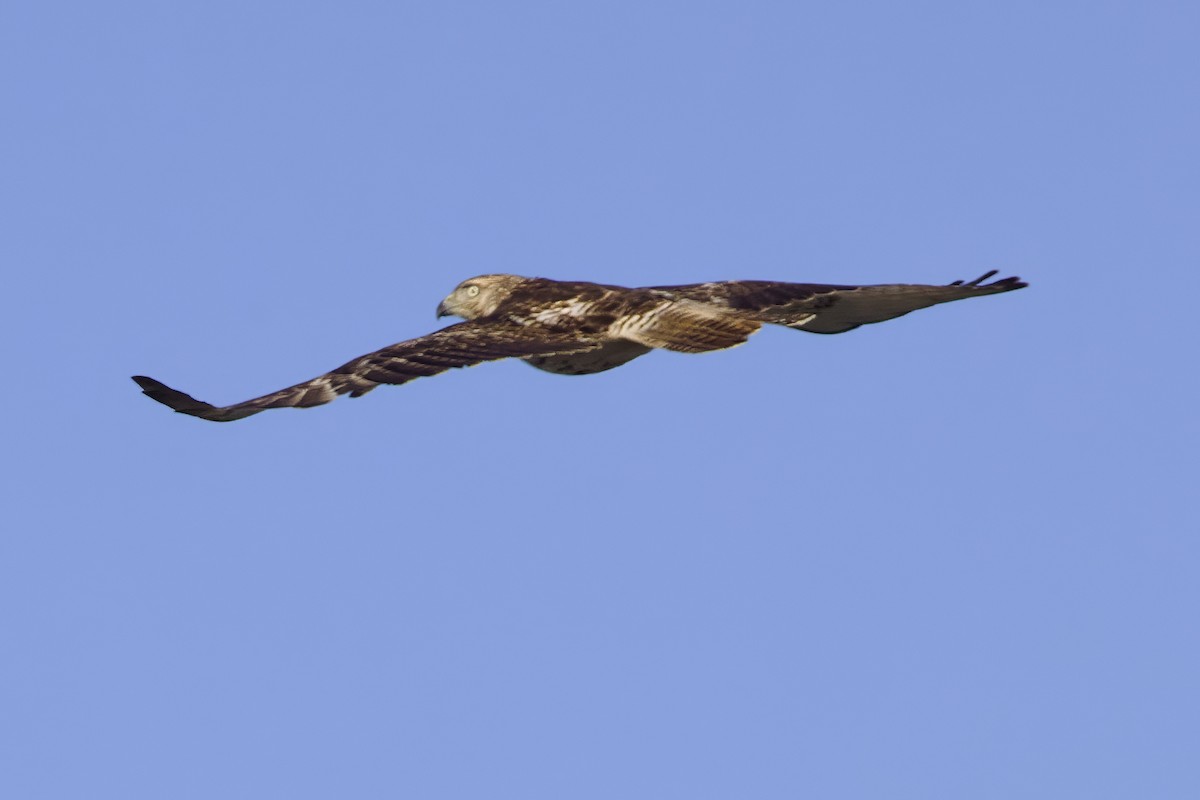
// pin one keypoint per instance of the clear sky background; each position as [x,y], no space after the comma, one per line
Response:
[954,555]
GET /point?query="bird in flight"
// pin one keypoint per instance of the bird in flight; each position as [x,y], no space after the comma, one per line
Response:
[580,328]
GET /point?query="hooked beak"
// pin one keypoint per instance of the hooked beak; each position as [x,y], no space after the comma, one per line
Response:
[442,310]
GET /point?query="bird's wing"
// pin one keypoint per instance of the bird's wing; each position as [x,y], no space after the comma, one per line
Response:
[461,345]
[636,321]
[821,308]
[683,325]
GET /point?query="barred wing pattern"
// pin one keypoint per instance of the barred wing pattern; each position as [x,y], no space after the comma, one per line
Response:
[461,345]
[825,308]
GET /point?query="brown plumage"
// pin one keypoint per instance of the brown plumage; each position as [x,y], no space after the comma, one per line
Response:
[581,328]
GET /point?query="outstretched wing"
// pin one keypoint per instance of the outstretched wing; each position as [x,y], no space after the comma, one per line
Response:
[461,345]
[684,325]
[821,308]
[632,322]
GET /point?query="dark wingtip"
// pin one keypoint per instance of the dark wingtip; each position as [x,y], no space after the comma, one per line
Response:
[1008,284]
[1002,285]
[173,398]
[982,277]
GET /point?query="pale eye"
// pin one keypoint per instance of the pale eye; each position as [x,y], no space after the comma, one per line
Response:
[472,291]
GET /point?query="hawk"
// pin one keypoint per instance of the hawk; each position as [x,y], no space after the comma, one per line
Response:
[575,328]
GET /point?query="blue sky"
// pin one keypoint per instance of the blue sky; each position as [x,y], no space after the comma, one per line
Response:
[954,555]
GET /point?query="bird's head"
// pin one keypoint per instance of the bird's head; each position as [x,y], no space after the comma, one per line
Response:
[479,297]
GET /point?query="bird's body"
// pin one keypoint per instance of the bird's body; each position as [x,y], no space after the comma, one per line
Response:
[577,328]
